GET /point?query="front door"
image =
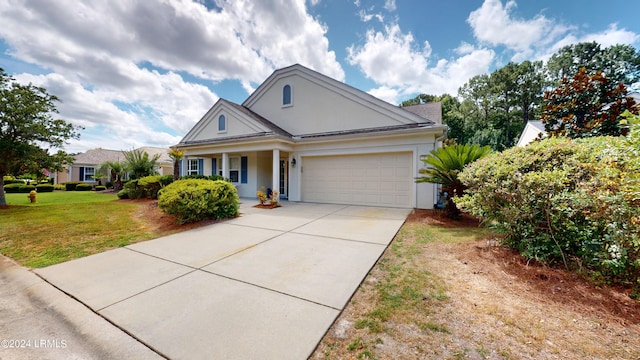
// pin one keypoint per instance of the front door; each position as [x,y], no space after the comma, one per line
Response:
[284,181]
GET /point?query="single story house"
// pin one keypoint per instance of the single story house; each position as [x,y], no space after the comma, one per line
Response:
[315,139]
[85,165]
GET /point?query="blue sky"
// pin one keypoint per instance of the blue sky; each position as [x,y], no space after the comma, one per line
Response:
[142,72]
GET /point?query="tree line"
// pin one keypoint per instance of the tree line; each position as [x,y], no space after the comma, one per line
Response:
[581,91]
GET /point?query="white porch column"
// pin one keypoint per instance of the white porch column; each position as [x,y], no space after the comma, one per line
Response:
[276,171]
[225,165]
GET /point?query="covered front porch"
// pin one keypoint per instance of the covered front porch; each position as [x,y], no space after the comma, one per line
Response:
[247,170]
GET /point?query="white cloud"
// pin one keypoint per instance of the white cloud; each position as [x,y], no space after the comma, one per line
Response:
[123,67]
[390,5]
[493,24]
[388,94]
[537,38]
[366,17]
[401,68]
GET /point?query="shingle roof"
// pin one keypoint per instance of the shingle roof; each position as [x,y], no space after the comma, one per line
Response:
[275,128]
[430,111]
[164,153]
[99,156]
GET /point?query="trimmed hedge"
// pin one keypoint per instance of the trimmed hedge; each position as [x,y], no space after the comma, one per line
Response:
[13,181]
[25,189]
[197,199]
[83,187]
[41,188]
[13,188]
[100,188]
[71,185]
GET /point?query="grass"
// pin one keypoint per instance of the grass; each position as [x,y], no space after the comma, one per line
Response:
[62,226]
[405,291]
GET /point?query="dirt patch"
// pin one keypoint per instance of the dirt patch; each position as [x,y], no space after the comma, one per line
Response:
[162,223]
[497,306]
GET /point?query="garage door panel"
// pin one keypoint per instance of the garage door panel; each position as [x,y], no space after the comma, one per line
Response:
[367,179]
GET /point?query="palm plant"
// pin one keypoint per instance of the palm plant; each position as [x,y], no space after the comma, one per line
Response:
[444,165]
[117,169]
[140,164]
[176,155]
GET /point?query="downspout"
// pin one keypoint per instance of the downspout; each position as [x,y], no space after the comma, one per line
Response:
[437,188]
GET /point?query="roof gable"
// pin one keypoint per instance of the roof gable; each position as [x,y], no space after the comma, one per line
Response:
[240,122]
[321,104]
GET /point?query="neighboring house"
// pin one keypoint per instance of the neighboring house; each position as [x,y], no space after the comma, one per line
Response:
[86,164]
[536,127]
[315,139]
[532,131]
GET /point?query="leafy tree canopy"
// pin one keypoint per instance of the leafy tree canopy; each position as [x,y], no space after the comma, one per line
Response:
[585,106]
[619,63]
[27,124]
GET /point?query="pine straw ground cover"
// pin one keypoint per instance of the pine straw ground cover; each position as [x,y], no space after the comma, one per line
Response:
[447,290]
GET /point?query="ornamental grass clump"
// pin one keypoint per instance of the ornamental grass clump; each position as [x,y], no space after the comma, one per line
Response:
[193,200]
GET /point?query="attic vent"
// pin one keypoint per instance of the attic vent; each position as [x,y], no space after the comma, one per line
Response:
[286,95]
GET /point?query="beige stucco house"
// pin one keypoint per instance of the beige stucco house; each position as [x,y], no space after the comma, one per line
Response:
[316,139]
[86,164]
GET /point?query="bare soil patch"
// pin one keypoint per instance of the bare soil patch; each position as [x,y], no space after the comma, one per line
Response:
[497,306]
[161,223]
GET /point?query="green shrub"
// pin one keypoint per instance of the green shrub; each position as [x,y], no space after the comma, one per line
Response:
[13,181]
[13,187]
[109,184]
[132,190]
[149,186]
[197,199]
[203,177]
[71,185]
[564,202]
[59,187]
[123,194]
[44,188]
[26,188]
[100,188]
[166,180]
[84,187]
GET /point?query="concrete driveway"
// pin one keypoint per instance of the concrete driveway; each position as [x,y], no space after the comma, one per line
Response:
[266,285]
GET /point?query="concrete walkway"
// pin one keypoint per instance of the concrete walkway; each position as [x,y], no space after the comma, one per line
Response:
[266,285]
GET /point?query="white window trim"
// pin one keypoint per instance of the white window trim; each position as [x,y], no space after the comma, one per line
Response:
[189,170]
[238,169]
[89,176]
[226,124]
[290,104]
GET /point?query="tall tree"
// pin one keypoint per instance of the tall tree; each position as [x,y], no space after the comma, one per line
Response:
[531,82]
[585,106]
[27,123]
[619,63]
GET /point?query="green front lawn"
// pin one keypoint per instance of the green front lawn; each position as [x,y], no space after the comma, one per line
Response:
[66,225]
